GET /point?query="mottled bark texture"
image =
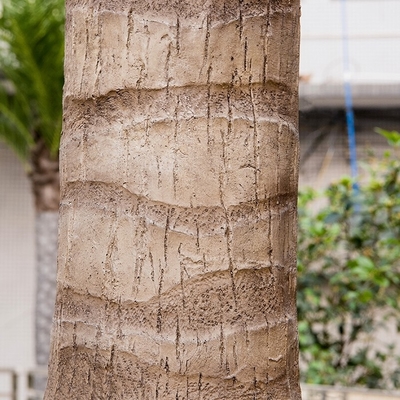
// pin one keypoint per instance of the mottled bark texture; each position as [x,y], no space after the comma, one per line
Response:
[179,163]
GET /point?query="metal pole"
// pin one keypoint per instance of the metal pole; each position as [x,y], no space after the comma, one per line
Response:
[349,97]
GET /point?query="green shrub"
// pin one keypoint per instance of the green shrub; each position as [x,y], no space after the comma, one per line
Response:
[349,277]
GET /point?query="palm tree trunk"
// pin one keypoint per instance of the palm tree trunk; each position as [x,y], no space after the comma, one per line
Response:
[45,184]
[46,262]
[179,160]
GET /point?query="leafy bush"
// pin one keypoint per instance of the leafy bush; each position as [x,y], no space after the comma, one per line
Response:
[349,277]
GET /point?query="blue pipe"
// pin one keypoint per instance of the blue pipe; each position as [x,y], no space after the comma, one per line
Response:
[351,131]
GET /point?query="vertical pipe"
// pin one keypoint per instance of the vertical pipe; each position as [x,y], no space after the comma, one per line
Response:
[348,96]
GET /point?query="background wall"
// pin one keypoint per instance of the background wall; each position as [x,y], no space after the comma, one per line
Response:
[373,52]
[17,277]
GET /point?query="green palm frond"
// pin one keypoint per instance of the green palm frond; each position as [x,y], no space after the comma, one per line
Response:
[18,137]
[31,68]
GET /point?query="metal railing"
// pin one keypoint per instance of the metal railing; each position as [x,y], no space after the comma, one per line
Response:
[37,380]
[317,392]
[8,384]
[25,385]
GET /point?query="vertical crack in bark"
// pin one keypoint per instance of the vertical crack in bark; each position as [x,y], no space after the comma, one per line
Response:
[167,61]
[178,344]
[119,320]
[204,263]
[144,69]
[182,271]
[240,19]
[159,180]
[175,145]
[83,154]
[228,232]
[279,58]
[269,243]
[110,372]
[147,132]
[209,141]
[100,50]
[222,183]
[108,270]
[141,246]
[206,44]
[86,54]
[127,154]
[256,150]
[139,81]
[278,161]
[158,387]
[162,271]
[131,27]
[255,384]
[234,353]
[95,362]
[151,265]
[200,385]
[221,345]
[264,36]
[69,239]
[288,352]
[197,237]
[178,26]
[246,335]
[207,39]
[245,54]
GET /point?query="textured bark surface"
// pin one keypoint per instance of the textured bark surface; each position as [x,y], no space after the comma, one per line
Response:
[179,163]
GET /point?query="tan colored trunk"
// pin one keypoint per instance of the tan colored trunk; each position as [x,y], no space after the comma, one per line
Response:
[179,163]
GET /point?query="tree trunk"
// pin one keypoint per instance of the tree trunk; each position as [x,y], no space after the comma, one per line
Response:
[179,164]
[46,229]
[46,188]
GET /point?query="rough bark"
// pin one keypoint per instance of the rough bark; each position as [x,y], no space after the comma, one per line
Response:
[179,163]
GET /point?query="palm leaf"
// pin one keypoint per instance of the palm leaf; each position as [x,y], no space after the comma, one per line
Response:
[20,140]
[31,62]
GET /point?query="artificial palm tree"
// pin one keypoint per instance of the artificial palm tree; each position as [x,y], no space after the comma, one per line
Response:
[31,80]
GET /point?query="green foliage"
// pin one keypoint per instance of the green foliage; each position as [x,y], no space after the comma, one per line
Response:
[349,277]
[392,137]
[31,73]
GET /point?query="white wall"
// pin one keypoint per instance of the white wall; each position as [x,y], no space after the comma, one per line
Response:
[16,264]
[374,50]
